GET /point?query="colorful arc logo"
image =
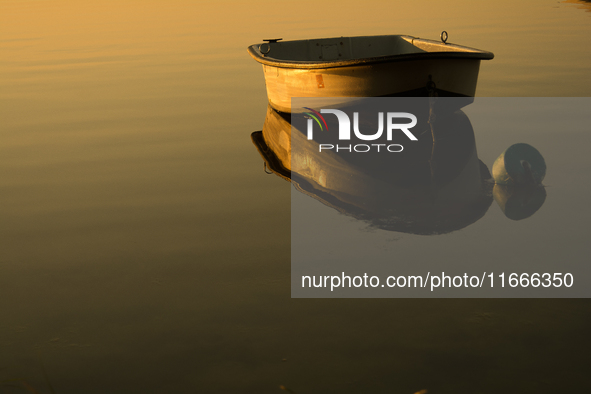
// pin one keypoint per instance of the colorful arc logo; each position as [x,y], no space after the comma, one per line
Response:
[315,117]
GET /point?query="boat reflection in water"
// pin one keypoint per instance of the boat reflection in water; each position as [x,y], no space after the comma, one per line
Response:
[519,202]
[429,188]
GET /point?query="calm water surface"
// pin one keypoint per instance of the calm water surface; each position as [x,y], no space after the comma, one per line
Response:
[144,250]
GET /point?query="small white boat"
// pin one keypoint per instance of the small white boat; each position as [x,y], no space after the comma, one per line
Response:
[372,66]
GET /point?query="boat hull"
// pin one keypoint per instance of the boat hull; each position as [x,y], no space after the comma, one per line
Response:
[453,77]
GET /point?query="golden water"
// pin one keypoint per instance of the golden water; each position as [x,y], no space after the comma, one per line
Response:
[143,249]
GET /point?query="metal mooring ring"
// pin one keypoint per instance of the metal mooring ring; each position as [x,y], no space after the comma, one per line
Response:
[444,37]
[266,50]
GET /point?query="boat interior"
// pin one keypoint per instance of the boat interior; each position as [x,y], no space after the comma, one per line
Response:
[350,48]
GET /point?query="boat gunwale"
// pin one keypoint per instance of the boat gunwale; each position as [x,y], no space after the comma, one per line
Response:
[471,53]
